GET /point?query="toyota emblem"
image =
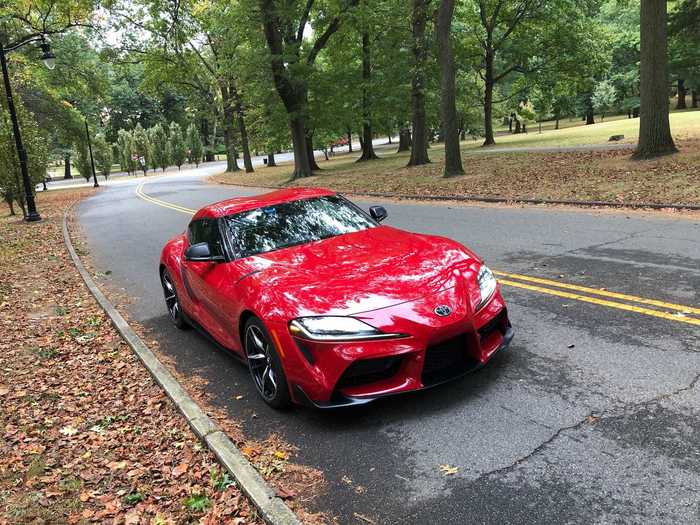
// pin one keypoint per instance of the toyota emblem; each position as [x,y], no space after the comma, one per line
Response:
[443,310]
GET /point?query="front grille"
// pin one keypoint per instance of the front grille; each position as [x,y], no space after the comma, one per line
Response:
[447,360]
[366,371]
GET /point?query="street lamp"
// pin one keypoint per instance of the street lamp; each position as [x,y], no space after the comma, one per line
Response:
[50,61]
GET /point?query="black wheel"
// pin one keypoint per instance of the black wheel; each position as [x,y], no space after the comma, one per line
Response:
[264,365]
[172,302]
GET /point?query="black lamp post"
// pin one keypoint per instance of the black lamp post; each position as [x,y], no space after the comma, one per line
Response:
[92,161]
[49,60]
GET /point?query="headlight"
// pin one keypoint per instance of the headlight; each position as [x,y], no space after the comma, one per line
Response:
[487,285]
[335,328]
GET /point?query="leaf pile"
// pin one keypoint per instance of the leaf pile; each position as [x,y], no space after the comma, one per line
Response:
[86,435]
[577,176]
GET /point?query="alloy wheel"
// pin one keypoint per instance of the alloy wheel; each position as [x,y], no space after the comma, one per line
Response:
[259,355]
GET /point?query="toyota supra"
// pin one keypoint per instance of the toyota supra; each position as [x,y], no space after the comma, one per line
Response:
[327,306]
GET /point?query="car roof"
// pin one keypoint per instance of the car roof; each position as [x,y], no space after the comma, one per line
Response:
[239,204]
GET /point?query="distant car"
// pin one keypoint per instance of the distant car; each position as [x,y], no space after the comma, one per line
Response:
[327,306]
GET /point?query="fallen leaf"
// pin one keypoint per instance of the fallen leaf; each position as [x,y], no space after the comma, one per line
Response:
[448,470]
[68,431]
[179,470]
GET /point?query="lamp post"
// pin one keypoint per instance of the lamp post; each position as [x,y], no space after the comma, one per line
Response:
[49,60]
[92,161]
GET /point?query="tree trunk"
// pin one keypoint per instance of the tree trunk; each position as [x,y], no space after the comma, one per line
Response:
[302,166]
[242,131]
[448,108]
[11,204]
[247,161]
[349,140]
[654,128]
[310,151]
[556,123]
[682,91]
[517,127]
[367,146]
[419,147]
[271,160]
[229,141]
[404,139]
[590,115]
[694,98]
[66,167]
[489,139]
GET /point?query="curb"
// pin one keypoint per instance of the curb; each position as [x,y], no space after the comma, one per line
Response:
[498,200]
[272,509]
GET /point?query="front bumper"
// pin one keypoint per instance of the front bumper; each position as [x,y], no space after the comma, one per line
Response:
[436,350]
[340,400]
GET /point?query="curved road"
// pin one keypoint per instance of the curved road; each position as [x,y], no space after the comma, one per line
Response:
[593,415]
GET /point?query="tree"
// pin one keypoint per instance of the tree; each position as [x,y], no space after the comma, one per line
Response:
[367,135]
[419,144]
[292,62]
[654,128]
[453,157]
[178,147]
[81,160]
[604,97]
[142,148]
[160,146]
[103,155]
[194,145]
[11,187]
[127,151]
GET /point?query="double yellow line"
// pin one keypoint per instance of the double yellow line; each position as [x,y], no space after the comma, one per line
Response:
[164,204]
[630,303]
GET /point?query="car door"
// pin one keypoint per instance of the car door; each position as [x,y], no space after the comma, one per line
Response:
[205,282]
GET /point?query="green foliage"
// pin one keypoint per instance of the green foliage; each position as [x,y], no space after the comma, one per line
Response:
[161,150]
[178,148]
[81,159]
[142,147]
[127,150]
[11,187]
[195,149]
[604,96]
[197,503]
[103,155]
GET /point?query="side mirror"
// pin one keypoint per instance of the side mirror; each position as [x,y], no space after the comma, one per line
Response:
[378,213]
[200,253]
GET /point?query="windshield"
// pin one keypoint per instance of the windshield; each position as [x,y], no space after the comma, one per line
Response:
[291,223]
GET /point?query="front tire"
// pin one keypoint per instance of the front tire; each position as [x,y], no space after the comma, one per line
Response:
[172,301]
[264,365]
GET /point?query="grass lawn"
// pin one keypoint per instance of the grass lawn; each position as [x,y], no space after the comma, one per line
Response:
[684,124]
[581,175]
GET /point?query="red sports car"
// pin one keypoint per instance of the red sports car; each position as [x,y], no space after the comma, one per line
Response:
[327,306]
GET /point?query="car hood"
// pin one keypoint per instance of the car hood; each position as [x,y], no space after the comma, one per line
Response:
[358,272]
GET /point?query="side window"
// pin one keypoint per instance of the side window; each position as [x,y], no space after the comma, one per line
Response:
[206,230]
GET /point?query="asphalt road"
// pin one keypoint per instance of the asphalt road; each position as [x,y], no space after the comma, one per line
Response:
[592,416]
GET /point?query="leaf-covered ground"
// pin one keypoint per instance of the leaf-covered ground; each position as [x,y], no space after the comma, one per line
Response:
[581,176]
[86,435]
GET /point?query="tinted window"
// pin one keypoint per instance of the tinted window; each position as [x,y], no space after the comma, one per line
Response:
[290,223]
[206,230]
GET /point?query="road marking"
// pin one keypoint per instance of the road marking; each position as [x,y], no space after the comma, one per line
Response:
[679,316]
[164,204]
[603,302]
[604,293]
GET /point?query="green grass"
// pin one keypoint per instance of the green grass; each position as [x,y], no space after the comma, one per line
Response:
[684,124]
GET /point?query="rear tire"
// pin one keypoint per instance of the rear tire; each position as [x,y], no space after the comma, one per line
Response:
[264,365]
[172,301]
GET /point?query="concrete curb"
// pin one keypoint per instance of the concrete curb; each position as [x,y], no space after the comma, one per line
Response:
[272,509]
[499,200]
